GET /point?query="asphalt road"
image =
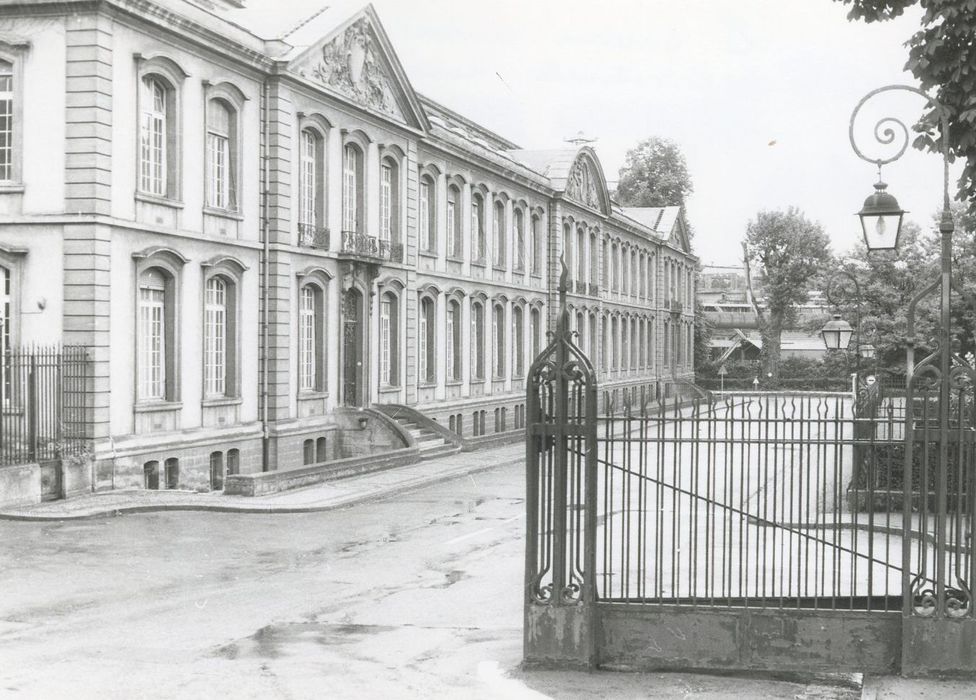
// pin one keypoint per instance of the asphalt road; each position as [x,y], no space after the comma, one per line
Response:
[415,596]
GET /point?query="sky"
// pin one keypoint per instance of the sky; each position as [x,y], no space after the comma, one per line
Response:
[757,93]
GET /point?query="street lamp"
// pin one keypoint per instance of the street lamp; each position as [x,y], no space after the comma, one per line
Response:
[881,219]
[836,333]
[866,351]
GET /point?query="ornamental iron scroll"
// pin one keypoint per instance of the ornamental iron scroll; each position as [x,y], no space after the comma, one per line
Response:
[561,468]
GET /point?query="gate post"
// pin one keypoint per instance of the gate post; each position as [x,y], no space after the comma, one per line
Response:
[560,623]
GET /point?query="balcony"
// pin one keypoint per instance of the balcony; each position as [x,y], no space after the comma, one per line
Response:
[370,248]
[311,236]
[580,287]
[594,289]
[674,306]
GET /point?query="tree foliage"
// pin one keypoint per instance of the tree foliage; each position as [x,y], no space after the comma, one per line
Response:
[942,57]
[789,252]
[654,174]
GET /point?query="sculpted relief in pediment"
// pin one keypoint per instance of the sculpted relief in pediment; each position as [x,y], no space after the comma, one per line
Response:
[352,65]
[583,185]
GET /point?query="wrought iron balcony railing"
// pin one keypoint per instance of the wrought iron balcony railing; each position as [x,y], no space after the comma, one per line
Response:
[674,306]
[363,246]
[311,236]
[594,289]
[580,287]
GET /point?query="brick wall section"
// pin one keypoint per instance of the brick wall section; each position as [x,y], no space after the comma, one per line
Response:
[88,115]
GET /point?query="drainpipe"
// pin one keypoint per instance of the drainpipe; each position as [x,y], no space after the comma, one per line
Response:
[265,226]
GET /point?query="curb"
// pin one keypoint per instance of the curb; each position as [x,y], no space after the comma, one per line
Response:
[343,502]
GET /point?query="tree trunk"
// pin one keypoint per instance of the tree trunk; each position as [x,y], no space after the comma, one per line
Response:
[771,332]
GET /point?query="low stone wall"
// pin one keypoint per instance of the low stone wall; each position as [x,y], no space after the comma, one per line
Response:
[273,482]
[20,485]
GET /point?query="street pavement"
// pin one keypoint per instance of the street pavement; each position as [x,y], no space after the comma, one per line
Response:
[414,594]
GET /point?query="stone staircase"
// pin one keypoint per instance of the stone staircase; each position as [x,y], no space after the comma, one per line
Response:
[430,442]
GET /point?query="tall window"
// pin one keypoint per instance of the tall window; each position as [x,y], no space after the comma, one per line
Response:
[633,272]
[592,339]
[607,345]
[426,373]
[6,120]
[498,234]
[454,341]
[518,338]
[352,189]
[311,338]
[536,246]
[498,333]
[215,337]
[594,261]
[152,335]
[580,255]
[454,222]
[310,212]
[518,225]
[153,144]
[5,318]
[477,227]
[221,155]
[633,344]
[427,215]
[389,340]
[388,192]
[605,250]
[477,340]
[535,331]
[667,344]
[615,268]
[614,344]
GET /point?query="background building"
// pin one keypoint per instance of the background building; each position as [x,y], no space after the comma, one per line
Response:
[258,233]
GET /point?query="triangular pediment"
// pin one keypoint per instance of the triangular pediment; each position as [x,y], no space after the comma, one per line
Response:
[679,235]
[586,183]
[357,61]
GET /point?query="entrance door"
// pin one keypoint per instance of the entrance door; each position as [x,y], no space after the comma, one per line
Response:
[352,348]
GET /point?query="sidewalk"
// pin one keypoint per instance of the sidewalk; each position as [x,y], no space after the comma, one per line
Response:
[326,496]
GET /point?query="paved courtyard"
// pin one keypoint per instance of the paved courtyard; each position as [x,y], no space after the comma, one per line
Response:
[415,596]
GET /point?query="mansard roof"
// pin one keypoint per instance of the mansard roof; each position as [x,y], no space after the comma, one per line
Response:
[576,172]
[666,222]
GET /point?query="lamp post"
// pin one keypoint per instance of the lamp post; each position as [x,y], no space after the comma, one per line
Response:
[931,587]
[837,333]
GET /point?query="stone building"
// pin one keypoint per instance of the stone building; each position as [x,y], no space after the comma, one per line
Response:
[262,237]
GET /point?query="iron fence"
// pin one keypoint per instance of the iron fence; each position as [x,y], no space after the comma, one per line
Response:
[43,398]
[749,500]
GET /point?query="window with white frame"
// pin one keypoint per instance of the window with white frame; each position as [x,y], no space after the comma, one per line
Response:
[427,215]
[426,370]
[5,332]
[7,121]
[518,339]
[454,238]
[592,339]
[498,333]
[580,254]
[536,262]
[153,137]
[311,350]
[535,334]
[353,205]
[221,155]
[477,340]
[389,339]
[215,337]
[454,340]
[152,335]
[387,186]
[477,228]
[498,234]
[518,236]
[311,185]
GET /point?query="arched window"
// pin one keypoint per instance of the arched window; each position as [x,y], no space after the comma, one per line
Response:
[498,334]
[605,255]
[233,461]
[518,339]
[477,228]
[633,272]
[518,226]
[594,264]
[592,344]
[477,340]
[624,343]
[311,338]
[7,125]
[426,371]
[155,351]
[390,201]
[580,255]
[607,345]
[353,204]
[220,337]
[216,471]
[311,188]
[222,155]
[390,339]
[568,247]
[536,263]
[498,234]
[667,344]
[154,136]
[633,344]
[615,270]
[535,331]
[614,344]
[454,238]
[453,340]
[427,214]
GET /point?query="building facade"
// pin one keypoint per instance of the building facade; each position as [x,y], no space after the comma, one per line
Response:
[254,233]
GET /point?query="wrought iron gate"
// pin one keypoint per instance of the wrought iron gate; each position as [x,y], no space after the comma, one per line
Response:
[751,531]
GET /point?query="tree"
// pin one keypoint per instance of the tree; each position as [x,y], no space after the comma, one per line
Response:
[790,251]
[940,56]
[654,174]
